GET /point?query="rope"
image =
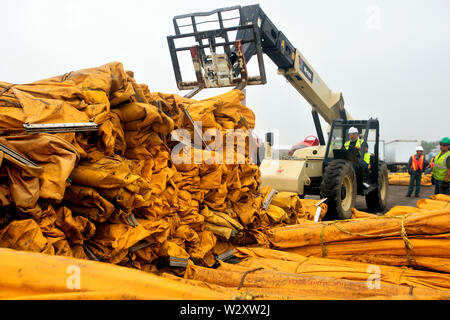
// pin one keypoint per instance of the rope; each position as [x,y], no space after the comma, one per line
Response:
[17,105]
[401,274]
[381,235]
[245,274]
[408,243]
[66,76]
[246,296]
[6,89]
[300,264]
[324,250]
[402,233]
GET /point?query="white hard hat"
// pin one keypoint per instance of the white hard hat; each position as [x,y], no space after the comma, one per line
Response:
[352,130]
[419,148]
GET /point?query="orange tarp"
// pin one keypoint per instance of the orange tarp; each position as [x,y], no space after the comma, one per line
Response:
[428,204]
[403,178]
[270,283]
[289,262]
[117,195]
[28,275]
[437,222]
[437,264]
[441,197]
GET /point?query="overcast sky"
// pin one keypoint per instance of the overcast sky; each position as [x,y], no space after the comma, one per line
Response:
[390,59]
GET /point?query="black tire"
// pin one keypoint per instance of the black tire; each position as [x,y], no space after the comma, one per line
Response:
[339,187]
[377,200]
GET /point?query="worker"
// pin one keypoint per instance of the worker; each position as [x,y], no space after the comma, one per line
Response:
[430,166]
[367,156]
[357,143]
[416,166]
[354,139]
[365,165]
[441,168]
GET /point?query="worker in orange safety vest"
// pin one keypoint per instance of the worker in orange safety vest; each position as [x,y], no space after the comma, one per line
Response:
[416,166]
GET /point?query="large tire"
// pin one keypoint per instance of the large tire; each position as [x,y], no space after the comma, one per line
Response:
[377,199]
[339,187]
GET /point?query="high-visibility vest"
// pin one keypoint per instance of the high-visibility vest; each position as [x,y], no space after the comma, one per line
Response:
[358,144]
[415,165]
[367,158]
[440,166]
[432,163]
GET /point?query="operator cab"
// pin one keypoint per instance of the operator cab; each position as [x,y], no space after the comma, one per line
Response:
[368,135]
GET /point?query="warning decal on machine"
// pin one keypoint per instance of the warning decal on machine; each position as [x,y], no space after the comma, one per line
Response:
[306,70]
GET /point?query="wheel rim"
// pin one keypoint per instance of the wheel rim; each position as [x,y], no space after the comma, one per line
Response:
[346,193]
[383,188]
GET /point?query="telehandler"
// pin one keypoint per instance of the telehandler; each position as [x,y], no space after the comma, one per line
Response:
[334,170]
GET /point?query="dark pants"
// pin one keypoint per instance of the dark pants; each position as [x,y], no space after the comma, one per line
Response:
[416,178]
[441,187]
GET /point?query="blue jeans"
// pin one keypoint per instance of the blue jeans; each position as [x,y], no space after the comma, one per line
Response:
[416,178]
[440,187]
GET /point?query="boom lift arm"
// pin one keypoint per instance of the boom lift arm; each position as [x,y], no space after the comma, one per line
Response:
[255,35]
[292,65]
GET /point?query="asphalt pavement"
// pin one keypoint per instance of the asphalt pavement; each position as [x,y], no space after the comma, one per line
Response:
[397,197]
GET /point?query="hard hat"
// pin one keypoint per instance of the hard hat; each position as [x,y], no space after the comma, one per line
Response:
[352,130]
[419,148]
[445,140]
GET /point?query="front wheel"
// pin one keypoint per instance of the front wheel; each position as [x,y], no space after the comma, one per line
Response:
[377,199]
[339,187]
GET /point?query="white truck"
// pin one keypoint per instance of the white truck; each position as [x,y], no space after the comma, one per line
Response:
[397,154]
